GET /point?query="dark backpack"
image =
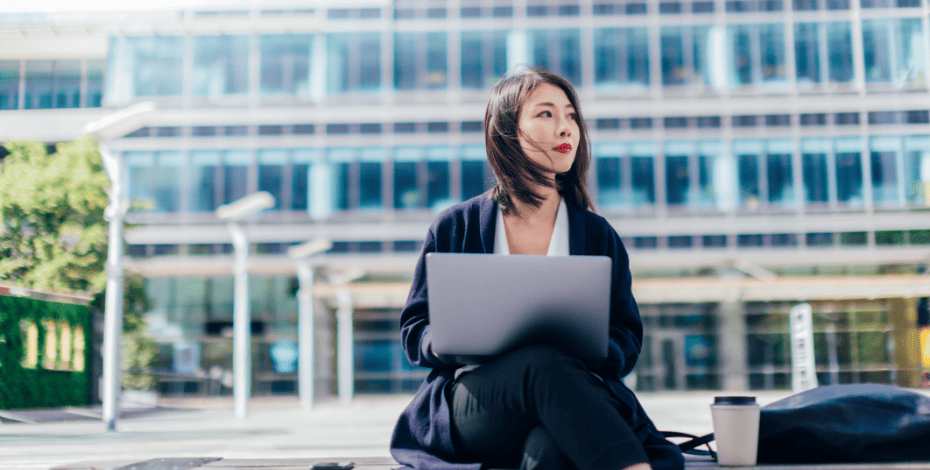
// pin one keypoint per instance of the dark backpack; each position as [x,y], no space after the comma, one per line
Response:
[841,424]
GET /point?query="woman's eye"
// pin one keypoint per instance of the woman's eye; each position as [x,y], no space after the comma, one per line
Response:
[573,116]
[545,114]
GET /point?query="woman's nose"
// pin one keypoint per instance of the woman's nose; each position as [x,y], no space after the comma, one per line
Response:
[564,129]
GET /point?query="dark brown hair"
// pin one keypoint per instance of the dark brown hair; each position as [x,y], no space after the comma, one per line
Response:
[516,173]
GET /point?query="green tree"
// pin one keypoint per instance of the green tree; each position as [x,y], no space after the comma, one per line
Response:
[53,234]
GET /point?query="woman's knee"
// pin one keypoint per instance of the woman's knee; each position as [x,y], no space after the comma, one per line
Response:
[543,359]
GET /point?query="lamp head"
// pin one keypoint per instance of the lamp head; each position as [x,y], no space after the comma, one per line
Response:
[246,206]
[122,122]
[310,248]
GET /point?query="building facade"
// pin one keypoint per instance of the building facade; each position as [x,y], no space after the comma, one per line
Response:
[752,154]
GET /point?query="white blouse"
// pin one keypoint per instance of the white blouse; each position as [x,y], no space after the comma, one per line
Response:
[558,244]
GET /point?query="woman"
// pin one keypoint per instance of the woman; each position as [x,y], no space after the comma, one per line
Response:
[534,407]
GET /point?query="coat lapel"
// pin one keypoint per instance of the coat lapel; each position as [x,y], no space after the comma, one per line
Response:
[576,231]
[487,219]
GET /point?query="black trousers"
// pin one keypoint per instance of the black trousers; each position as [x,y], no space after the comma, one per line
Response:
[536,408]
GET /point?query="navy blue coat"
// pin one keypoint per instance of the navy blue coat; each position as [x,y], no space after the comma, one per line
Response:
[423,438]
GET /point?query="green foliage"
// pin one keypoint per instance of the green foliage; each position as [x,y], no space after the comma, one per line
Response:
[54,237]
[53,234]
[22,387]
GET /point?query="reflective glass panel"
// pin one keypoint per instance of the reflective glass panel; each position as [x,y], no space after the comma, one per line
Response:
[839,51]
[285,63]
[558,51]
[235,175]
[484,58]
[221,65]
[917,169]
[271,165]
[154,181]
[608,157]
[849,171]
[621,57]
[642,172]
[354,62]
[779,172]
[814,161]
[406,191]
[677,181]
[894,50]
[885,163]
[747,155]
[369,186]
[204,174]
[9,84]
[39,77]
[807,52]
[673,56]
[157,64]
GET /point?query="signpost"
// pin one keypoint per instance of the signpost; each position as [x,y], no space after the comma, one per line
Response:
[803,374]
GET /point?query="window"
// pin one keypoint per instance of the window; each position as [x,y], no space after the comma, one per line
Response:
[849,171]
[354,62]
[154,181]
[285,64]
[370,179]
[472,126]
[437,127]
[406,191]
[917,170]
[153,66]
[204,178]
[807,52]
[272,129]
[437,177]
[420,60]
[885,160]
[749,171]
[271,167]
[894,51]
[621,57]
[608,159]
[474,170]
[405,127]
[678,180]
[688,56]
[300,179]
[221,65]
[235,175]
[778,120]
[779,175]
[839,51]
[484,58]
[558,51]
[846,119]
[762,44]
[705,122]
[814,170]
[883,117]
[9,84]
[814,119]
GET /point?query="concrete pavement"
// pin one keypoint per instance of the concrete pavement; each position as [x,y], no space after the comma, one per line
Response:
[276,428]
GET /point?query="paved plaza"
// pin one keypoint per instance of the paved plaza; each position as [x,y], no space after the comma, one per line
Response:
[276,428]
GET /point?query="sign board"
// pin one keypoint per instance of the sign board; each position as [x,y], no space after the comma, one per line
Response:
[803,373]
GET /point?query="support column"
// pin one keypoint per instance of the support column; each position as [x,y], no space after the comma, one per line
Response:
[907,355]
[731,351]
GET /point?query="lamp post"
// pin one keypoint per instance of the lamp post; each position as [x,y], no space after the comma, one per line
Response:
[305,318]
[345,356]
[104,130]
[232,213]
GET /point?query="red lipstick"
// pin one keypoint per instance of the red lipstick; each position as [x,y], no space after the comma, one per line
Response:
[564,148]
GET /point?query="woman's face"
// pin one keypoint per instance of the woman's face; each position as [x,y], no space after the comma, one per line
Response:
[548,128]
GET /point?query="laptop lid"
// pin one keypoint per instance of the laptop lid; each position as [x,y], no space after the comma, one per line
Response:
[483,305]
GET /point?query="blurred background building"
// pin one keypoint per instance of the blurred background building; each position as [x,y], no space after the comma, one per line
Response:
[753,155]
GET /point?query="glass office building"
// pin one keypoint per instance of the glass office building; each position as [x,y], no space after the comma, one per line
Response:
[741,145]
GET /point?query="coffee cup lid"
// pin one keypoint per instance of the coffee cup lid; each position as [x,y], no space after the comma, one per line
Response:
[734,400]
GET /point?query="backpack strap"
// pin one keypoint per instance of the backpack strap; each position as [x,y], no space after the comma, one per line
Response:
[690,446]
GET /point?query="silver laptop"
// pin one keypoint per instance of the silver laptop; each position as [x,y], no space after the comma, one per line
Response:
[482,305]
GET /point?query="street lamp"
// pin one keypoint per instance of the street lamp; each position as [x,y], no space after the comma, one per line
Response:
[232,213]
[345,354]
[104,130]
[305,319]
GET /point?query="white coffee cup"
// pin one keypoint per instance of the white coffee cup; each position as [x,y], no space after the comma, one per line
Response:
[736,430]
